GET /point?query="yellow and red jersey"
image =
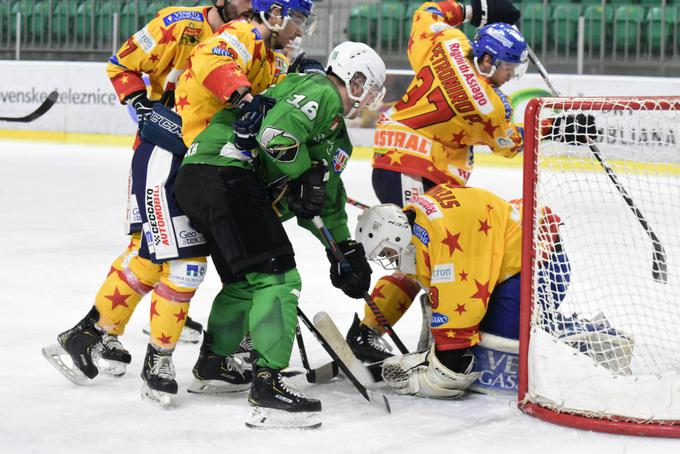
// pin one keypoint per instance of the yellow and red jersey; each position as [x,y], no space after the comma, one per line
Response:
[467,241]
[235,56]
[448,107]
[161,49]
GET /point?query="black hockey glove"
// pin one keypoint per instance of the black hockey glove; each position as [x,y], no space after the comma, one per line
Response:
[307,192]
[578,129]
[302,64]
[142,105]
[354,280]
[492,11]
[248,124]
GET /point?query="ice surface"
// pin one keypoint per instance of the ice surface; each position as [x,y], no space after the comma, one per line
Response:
[62,209]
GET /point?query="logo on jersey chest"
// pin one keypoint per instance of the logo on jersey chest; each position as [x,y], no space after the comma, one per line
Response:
[190,36]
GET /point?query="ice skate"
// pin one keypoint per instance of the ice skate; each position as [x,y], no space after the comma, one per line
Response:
[191,333]
[367,345]
[159,377]
[215,374]
[83,345]
[114,357]
[279,405]
[245,352]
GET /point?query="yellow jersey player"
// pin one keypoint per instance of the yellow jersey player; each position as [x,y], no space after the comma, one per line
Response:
[160,50]
[453,103]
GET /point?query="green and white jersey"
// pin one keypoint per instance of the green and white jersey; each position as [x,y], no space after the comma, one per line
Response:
[305,126]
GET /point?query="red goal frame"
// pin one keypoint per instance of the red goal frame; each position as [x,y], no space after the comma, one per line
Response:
[532,128]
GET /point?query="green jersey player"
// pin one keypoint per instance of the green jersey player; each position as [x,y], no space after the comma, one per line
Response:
[241,177]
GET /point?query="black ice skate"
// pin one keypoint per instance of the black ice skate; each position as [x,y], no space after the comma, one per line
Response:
[366,344]
[115,357]
[245,352]
[215,374]
[278,404]
[159,377]
[191,333]
[83,344]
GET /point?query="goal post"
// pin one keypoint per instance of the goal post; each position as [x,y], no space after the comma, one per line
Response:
[600,310]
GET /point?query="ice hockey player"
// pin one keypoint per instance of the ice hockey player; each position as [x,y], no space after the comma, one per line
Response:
[463,245]
[241,57]
[160,50]
[238,183]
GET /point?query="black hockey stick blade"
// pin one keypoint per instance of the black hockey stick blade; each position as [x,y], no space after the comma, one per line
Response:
[374,398]
[323,374]
[44,107]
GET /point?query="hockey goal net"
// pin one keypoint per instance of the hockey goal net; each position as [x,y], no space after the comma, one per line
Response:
[600,334]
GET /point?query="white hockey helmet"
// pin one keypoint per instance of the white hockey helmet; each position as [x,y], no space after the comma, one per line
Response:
[385,232]
[356,64]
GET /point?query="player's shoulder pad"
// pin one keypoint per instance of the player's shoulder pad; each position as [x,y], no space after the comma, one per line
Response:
[180,15]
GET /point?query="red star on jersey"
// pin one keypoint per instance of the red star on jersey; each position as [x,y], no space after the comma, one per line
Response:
[426,259]
[457,138]
[460,309]
[463,275]
[257,51]
[436,138]
[489,207]
[484,226]
[402,307]
[376,292]
[436,35]
[410,44]
[168,35]
[181,315]
[182,102]
[117,299]
[164,339]
[153,58]
[489,127]
[111,271]
[153,310]
[452,242]
[188,75]
[423,35]
[482,292]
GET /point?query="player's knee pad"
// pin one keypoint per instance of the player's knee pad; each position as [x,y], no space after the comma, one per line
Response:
[140,273]
[184,274]
[424,375]
[497,363]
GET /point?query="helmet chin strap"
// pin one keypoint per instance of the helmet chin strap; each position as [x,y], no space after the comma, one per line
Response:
[489,74]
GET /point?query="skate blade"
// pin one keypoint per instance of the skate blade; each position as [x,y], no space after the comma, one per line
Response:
[216,387]
[53,354]
[110,368]
[188,336]
[159,399]
[271,418]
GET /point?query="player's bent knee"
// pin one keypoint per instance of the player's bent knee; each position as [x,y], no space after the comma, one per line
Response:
[186,273]
[497,363]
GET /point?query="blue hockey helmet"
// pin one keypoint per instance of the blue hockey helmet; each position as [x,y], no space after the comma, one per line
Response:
[297,11]
[505,44]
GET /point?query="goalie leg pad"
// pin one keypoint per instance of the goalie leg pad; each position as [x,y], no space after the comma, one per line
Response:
[424,375]
[497,362]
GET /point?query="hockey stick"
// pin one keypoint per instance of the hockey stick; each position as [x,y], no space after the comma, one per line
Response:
[44,107]
[318,222]
[659,267]
[374,398]
[356,203]
[322,374]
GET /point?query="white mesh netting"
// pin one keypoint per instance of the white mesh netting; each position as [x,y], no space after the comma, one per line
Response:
[606,270]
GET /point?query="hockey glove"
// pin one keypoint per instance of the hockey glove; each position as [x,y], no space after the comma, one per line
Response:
[143,106]
[302,64]
[248,124]
[306,193]
[354,280]
[573,129]
[490,12]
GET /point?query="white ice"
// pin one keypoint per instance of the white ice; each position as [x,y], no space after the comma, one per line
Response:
[62,208]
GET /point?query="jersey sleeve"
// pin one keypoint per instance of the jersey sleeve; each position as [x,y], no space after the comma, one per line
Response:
[222,62]
[429,21]
[508,138]
[151,49]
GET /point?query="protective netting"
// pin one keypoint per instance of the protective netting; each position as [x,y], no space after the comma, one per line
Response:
[606,265]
